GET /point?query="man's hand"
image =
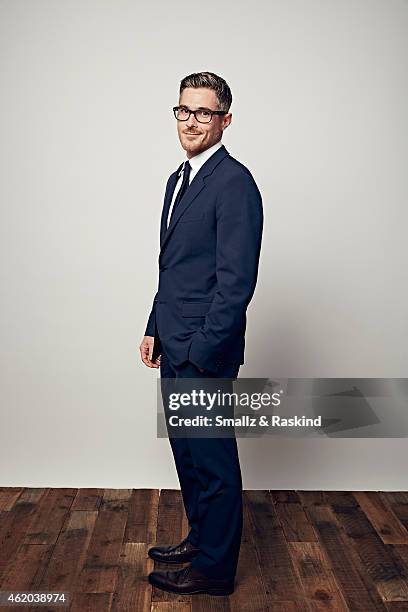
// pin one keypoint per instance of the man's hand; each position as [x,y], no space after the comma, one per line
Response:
[198,367]
[146,352]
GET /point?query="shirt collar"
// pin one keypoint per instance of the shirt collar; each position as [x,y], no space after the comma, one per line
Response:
[198,160]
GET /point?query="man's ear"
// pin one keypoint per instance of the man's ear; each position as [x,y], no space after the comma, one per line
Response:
[227,120]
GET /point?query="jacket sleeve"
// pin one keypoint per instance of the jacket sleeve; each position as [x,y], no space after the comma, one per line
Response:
[151,322]
[239,234]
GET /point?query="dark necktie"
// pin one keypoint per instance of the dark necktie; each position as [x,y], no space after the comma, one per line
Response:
[183,188]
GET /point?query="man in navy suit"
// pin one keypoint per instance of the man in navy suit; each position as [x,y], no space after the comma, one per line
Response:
[210,240]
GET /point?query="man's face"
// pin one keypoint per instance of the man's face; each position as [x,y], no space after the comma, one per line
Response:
[196,137]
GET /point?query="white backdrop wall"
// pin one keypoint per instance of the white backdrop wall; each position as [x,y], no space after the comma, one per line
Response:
[88,141]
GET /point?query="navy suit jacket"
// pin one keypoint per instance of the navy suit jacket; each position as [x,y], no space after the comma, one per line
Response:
[208,265]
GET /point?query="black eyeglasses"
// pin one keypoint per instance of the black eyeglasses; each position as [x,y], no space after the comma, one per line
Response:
[202,115]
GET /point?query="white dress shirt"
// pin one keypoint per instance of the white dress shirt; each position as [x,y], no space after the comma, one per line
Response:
[195,162]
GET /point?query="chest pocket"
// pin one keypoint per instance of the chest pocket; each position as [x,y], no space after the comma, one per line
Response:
[193,217]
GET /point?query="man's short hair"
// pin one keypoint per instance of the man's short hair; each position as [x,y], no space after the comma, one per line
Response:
[212,81]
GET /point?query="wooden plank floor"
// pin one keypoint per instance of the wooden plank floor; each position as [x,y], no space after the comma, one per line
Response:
[301,550]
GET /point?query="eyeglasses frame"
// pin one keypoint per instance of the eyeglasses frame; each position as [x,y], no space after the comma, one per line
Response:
[190,112]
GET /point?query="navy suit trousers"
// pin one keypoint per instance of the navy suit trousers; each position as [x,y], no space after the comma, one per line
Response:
[210,480]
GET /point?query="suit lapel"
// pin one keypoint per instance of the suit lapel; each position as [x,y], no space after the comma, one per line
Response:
[167,201]
[196,185]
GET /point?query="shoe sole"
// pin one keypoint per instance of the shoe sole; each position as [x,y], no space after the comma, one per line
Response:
[215,591]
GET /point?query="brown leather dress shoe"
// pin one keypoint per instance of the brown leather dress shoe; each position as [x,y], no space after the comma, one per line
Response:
[189,581]
[180,553]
